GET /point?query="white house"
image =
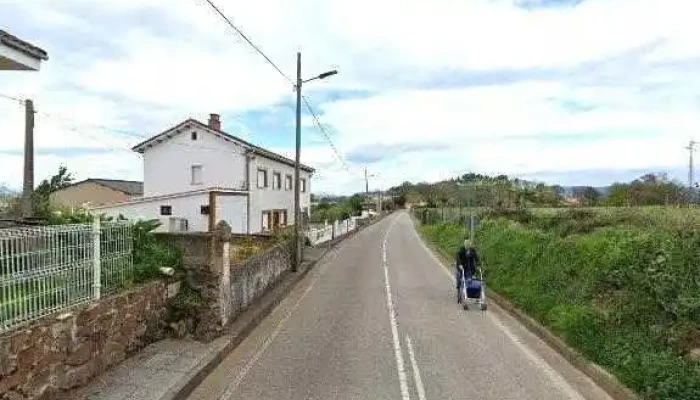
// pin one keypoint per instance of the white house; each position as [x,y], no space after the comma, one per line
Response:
[17,55]
[196,175]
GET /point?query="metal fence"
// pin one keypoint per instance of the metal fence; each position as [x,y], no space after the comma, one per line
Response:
[47,269]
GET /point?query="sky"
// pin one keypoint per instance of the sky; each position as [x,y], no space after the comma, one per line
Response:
[574,92]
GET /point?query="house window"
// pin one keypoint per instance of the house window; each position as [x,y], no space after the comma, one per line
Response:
[194,135]
[276,181]
[196,172]
[303,185]
[166,210]
[266,221]
[204,210]
[288,182]
[262,178]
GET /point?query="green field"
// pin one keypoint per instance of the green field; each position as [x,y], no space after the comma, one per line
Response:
[621,285]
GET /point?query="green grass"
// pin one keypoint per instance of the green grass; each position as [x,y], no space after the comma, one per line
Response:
[617,287]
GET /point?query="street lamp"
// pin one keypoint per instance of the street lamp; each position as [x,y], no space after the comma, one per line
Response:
[298,244]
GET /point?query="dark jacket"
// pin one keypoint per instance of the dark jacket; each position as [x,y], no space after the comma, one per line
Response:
[468,259]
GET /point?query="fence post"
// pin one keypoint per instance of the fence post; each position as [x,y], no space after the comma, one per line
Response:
[96,259]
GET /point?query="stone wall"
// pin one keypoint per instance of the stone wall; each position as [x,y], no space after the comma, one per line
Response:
[65,350]
[217,290]
[250,279]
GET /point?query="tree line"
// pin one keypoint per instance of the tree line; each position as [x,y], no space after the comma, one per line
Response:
[500,191]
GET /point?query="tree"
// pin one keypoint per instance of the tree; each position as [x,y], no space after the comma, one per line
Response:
[587,195]
[42,206]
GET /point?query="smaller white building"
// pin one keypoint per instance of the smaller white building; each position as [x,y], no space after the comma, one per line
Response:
[196,175]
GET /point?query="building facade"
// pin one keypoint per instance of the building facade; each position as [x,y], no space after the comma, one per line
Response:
[196,175]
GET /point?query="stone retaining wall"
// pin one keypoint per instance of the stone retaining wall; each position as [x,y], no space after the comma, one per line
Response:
[65,350]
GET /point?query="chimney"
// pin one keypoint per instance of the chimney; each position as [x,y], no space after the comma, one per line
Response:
[214,122]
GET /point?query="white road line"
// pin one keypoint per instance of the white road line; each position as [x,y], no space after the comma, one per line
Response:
[556,378]
[403,380]
[416,371]
[230,389]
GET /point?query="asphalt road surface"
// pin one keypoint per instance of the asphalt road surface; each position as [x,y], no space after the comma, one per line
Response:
[378,319]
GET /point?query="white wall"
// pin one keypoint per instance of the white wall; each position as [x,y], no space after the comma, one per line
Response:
[187,207]
[167,166]
[272,199]
[232,209]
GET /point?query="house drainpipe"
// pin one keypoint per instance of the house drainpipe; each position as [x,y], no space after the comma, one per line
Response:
[247,188]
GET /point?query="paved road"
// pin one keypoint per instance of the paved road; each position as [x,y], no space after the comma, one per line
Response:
[377,319]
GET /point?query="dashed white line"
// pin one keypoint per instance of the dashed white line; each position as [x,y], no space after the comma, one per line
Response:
[416,372]
[403,380]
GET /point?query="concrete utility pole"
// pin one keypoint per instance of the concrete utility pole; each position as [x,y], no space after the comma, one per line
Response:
[297,210]
[298,243]
[28,181]
[691,175]
[366,183]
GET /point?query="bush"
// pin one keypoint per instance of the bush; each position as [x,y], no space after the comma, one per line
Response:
[150,254]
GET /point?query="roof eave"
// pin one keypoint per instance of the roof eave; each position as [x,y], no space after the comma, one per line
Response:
[22,46]
[141,147]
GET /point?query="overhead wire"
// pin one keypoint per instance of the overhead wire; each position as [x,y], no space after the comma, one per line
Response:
[243,35]
[321,129]
[12,98]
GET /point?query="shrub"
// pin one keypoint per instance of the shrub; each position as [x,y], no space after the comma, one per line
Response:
[150,254]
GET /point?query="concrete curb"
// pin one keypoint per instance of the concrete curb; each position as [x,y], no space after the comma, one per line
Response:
[600,376]
[245,324]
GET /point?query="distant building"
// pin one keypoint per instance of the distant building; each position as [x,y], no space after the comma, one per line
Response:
[97,192]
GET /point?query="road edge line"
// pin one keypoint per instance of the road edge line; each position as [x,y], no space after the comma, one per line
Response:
[240,328]
[604,379]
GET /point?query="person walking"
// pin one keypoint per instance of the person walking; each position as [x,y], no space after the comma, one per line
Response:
[466,262]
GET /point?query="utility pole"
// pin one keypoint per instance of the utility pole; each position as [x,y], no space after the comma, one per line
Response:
[691,177]
[366,183]
[28,181]
[297,210]
[298,241]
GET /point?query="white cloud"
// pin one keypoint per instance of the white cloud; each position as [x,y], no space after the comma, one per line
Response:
[186,62]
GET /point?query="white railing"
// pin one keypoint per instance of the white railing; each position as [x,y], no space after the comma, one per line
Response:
[335,230]
[46,269]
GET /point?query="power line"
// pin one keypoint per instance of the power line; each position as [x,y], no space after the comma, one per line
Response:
[325,135]
[306,101]
[228,21]
[12,98]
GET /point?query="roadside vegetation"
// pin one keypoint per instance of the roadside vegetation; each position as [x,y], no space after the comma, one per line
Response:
[613,270]
[621,285]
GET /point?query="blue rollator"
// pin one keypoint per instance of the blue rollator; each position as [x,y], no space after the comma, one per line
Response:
[469,287]
[472,290]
